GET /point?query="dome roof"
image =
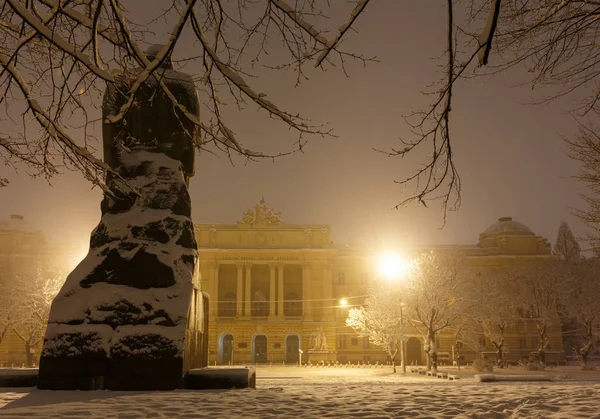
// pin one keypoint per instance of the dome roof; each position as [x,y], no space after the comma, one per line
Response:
[506,225]
[16,223]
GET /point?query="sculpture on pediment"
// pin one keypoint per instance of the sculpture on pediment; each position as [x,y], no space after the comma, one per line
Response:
[262,214]
[248,217]
[318,340]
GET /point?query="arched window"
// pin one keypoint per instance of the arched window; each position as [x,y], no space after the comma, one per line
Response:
[260,306]
[228,305]
[293,305]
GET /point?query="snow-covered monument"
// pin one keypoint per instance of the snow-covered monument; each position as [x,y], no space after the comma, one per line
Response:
[132,314]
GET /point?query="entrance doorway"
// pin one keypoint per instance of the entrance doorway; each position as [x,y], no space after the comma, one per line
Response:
[259,349]
[413,351]
[292,344]
[226,350]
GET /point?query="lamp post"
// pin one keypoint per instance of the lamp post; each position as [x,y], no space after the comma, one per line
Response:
[402,348]
[394,268]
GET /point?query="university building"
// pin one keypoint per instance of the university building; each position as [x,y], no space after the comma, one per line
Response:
[276,288]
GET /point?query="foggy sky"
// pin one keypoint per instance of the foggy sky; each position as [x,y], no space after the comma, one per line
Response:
[509,154]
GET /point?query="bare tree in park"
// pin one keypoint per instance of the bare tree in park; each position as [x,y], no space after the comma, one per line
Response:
[580,303]
[381,320]
[566,245]
[437,287]
[493,309]
[585,149]
[31,297]
[538,293]
[57,56]
[4,317]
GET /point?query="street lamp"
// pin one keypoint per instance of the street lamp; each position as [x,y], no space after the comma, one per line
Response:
[395,267]
[392,266]
[402,348]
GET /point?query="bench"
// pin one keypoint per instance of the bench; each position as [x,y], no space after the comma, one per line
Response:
[453,377]
[421,371]
[442,375]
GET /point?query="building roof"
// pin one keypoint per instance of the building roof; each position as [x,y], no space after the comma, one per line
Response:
[508,226]
[16,223]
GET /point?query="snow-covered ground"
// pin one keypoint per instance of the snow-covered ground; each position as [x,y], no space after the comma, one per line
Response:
[328,392]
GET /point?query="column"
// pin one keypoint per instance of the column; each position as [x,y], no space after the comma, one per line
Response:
[213,303]
[240,290]
[306,304]
[248,295]
[272,291]
[280,290]
[327,292]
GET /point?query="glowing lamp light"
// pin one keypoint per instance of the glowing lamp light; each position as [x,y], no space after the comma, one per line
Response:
[392,266]
[343,302]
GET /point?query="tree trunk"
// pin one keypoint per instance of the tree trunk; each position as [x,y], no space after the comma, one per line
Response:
[431,352]
[542,344]
[28,353]
[499,353]
[402,357]
[585,350]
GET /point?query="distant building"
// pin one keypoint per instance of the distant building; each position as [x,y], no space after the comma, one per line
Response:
[275,286]
[24,252]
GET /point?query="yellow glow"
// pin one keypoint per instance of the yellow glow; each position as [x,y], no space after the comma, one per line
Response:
[76,256]
[392,266]
[343,302]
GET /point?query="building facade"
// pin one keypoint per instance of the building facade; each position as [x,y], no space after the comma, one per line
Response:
[275,291]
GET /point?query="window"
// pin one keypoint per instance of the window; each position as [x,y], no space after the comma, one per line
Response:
[292,305]
[482,342]
[522,342]
[341,278]
[228,305]
[354,342]
[260,305]
[364,278]
[341,343]
[366,343]
[534,342]
[459,345]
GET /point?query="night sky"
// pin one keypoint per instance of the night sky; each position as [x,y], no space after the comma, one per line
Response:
[509,153]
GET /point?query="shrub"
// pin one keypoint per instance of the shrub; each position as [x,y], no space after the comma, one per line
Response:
[534,366]
[482,366]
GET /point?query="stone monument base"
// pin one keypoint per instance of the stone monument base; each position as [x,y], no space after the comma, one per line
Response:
[318,356]
[196,379]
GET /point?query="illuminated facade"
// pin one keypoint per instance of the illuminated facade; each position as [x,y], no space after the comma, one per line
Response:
[22,250]
[275,287]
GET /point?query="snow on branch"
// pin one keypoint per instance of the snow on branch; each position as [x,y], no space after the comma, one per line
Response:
[485,39]
[330,46]
[58,56]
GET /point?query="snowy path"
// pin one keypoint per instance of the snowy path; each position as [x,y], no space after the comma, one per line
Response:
[360,397]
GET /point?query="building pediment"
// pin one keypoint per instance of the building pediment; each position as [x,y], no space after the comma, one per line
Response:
[261,215]
[261,227]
